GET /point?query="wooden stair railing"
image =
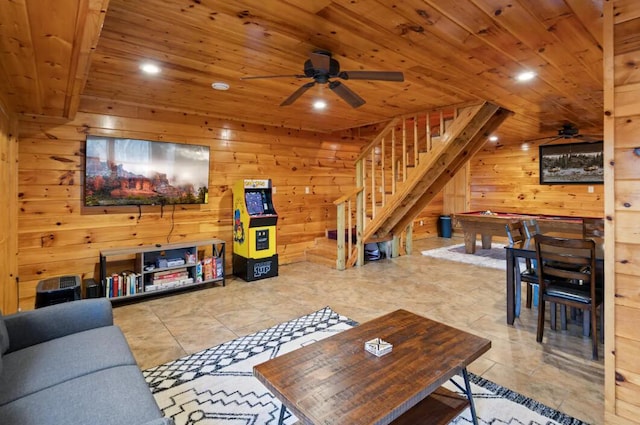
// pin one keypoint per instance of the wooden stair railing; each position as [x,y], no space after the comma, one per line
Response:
[345,221]
[404,167]
[466,136]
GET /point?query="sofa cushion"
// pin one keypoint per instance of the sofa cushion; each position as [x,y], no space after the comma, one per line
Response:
[44,365]
[43,324]
[4,336]
[114,396]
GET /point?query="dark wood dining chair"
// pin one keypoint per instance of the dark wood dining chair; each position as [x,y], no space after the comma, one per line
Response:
[567,275]
[516,233]
[593,228]
[531,227]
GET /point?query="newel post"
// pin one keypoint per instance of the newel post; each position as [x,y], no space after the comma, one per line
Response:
[360,212]
[340,261]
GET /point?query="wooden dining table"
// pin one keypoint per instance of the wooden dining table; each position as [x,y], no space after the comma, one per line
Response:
[527,249]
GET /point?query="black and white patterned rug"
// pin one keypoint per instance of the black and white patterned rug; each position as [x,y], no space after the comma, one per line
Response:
[216,386]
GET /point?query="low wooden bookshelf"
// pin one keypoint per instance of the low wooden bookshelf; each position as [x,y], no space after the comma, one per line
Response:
[127,274]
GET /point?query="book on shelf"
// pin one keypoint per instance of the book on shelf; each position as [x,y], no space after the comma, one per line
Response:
[173,284]
[123,284]
[170,278]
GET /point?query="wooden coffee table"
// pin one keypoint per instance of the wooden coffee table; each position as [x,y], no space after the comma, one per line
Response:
[335,381]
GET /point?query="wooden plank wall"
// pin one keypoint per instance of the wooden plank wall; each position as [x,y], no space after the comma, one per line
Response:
[622,207]
[505,178]
[56,237]
[8,213]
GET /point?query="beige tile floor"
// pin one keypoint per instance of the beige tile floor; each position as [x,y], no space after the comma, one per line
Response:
[558,372]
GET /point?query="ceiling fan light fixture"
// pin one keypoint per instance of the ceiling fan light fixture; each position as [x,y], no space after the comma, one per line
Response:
[324,69]
[526,76]
[319,105]
[150,68]
[219,85]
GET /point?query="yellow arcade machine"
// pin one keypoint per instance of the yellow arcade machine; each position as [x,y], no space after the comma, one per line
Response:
[254,230]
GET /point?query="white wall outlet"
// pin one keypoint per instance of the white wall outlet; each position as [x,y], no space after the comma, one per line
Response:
[421,222]
[590,189]
[273,189]
[306,189]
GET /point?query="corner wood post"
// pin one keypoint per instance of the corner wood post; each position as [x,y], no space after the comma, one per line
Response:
[340,261]
[395,246]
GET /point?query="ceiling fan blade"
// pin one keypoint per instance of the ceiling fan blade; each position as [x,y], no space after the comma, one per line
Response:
[320,61]
[296,94]
[346,94]
[274,76]
[372,75]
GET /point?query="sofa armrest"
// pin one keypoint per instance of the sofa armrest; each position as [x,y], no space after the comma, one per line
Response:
[35,326]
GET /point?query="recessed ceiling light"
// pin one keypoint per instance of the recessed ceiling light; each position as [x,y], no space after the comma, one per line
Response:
[319,104]
[220,86]
[150,68]
[493,138]
[526,76]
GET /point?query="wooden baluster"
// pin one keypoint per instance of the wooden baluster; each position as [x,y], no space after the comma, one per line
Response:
[416,159]
[373,183]
[382,172]
[394,169]
[404,150]
[428,125]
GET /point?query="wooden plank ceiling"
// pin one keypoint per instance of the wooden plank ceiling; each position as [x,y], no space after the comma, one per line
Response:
[60,57]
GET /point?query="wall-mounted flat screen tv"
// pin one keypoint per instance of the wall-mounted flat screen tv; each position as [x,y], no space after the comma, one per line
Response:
[143,172]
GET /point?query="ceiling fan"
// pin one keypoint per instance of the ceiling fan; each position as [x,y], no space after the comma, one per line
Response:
[568,131]
[321,67]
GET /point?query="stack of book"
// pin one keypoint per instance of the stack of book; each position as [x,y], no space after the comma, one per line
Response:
[169,279]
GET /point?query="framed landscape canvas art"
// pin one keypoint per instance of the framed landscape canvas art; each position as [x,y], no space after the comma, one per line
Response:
[144,172]
[573,163]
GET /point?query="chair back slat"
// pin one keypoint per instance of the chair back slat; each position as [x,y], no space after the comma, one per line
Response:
[571,261]
[515,232]
[531,228]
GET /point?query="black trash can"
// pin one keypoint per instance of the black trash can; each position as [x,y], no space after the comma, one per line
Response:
[444,226]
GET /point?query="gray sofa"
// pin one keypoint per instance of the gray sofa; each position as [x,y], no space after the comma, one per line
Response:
[68,364]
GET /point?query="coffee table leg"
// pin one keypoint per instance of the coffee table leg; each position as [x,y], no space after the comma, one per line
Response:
[472,407]
[467,391]
[283,409]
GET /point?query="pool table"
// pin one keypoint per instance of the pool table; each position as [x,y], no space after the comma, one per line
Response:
[489,224]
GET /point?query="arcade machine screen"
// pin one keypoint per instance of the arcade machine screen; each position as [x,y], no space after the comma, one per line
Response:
[254,202]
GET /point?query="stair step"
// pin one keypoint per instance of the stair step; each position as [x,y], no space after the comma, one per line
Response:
[321,259]
[333,234]
[324,252]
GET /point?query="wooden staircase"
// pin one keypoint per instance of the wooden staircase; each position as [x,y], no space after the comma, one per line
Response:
[404,167]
